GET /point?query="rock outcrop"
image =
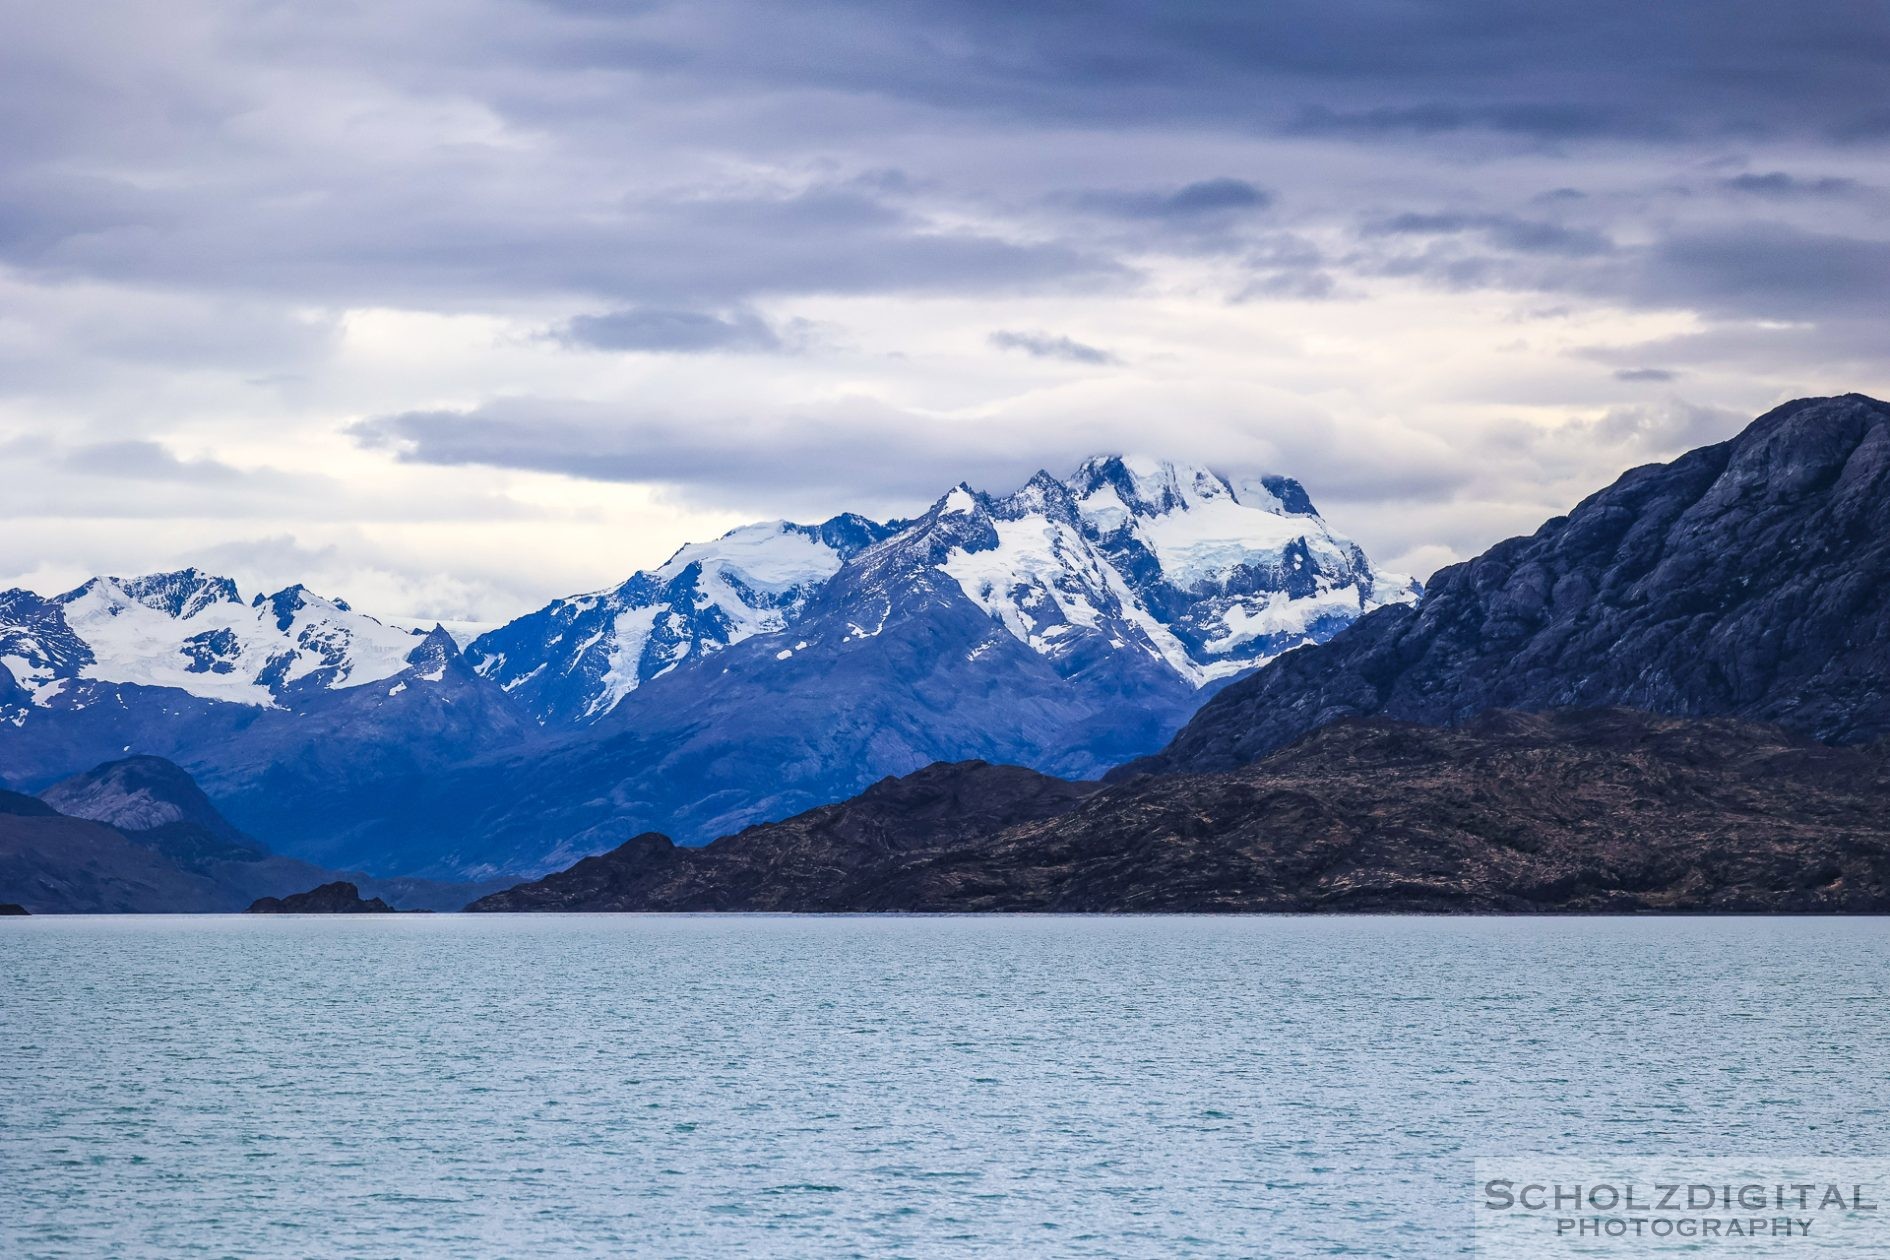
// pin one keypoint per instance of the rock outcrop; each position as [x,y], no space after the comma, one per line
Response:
[339,897]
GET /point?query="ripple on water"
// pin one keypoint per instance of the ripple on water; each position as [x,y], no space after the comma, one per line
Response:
[712,1086]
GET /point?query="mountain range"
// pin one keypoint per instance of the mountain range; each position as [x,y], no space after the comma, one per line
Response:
[1066,626]
[1571,811]
[1673,698]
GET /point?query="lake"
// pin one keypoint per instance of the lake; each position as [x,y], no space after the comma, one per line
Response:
[716,1086]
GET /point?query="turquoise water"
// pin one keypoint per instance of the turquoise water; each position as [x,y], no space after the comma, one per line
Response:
[711,1086]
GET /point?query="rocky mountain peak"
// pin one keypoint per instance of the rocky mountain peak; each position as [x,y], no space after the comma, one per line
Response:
[434,653]
[138,794]
[181,594]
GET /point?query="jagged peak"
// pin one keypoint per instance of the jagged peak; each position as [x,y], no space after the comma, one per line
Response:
[960,500]
[1149,486]
[1152,486]
[436,650]
[849,533]
[180,593]
[1043,494]
[1286,491]
[288,601]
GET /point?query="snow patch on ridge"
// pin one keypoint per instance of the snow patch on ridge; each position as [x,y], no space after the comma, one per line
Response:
[577,658]
[194,633]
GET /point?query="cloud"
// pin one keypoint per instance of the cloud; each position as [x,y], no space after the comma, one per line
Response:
[1780,184]
[865,455]
[1666,428]
[568,256]
[813,461]
[1638,375]
[1210,198]
[1867,127]
[1305,286]
[149,461]
[1040,345]
[1540,122]
[697,246]
[1509,232]
[666,330]
[1769,270]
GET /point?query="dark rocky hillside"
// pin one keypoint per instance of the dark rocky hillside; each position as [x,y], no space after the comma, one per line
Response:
[54,864]
[339,897]
[138,836]
[810,859]
[1747,579]
[1568,811]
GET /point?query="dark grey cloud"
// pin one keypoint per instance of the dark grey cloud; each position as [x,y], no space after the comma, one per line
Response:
[1866,127]
[1648,375]
[1208,198]
[1609,69]
[1042,345]
[1519,235]
[1768,270]
[659,329]
[1540,122]
[206,156]
[662,250]
[1824,356]
[1781,184]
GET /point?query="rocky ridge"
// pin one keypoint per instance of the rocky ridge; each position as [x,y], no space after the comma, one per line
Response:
[1750,578]
[1572,811]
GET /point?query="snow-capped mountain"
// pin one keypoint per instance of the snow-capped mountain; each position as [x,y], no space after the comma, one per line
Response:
[194,632]
[1069,625]
[1238,570]
[576,658]
[1063,627]
[1207,575]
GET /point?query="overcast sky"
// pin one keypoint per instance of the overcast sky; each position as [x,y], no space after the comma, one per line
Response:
[452,306]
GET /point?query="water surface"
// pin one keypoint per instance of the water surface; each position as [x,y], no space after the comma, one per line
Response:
[713,1086]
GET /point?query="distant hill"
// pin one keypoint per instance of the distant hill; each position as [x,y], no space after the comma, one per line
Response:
[137,836]
[1566,812]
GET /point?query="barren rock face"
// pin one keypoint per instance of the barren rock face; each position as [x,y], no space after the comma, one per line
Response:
[1747,579]
[339,897]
